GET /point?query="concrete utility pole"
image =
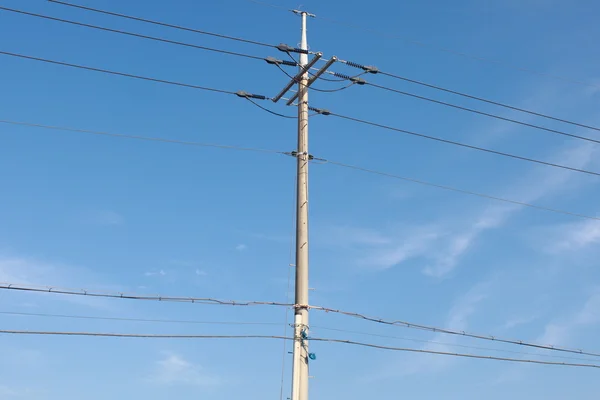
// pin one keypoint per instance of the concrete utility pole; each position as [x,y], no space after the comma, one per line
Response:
[301,356]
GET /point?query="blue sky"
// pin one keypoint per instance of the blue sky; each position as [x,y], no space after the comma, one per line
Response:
[113,214]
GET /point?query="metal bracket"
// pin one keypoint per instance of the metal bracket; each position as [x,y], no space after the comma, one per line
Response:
[297,77]
[315,77]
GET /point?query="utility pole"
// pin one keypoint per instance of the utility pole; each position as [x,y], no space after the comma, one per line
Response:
[301,356]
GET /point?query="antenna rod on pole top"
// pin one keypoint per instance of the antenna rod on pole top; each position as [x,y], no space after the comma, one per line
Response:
[301,354]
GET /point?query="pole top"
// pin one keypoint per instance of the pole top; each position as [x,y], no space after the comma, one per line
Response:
[300,12]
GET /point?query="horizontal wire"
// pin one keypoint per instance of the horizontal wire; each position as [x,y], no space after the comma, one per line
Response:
[514,121]
[130,319]
[324,340]
[154,22]
[146,138]
[449,344]
[314,88]
[133,34]
[445,353]
[176,299]
[200,300]
[196,322]
[452,142]
[482,99]
[454,332]
[463,191]
[106,71]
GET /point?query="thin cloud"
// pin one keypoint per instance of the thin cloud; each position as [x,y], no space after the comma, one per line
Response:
[155,273]
[174,370]
[241,247]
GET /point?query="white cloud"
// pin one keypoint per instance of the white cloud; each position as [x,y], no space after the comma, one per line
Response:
[199,272]
[173,370]
[457,318]
[241,247]
[155,273]
[577,236]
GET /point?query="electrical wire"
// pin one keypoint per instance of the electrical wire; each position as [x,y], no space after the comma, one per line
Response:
[319,328]
[496,103]
[455,143]
[464,55]
[106,71]
[444,353]
[129,319]
[291,264]
[483,113]
[270,111]
[81,292]
[146,138]
[324,340]
[238,323]
[454,332]
[213,301]
[133,34]
[164,24]
[463,191]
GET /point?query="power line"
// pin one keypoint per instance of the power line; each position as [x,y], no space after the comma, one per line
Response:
[496,103]
[213,301]
[354,167]
[130,319]
[444,353]
[145,138]
[238,323]
[453,189]
[455,143]
[448,344]
[324,340]
[271,111]
[106,71]
[176,299]
[133,34]
[482,113]
[454,332]
[164,24]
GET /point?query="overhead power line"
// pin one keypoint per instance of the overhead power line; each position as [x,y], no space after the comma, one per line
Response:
[133,34]
[324,340]
[131,319]
[462,54]
[340,164]
[175,299]
[239,323]
[213,301]
[514,121]
[164,24]
[145,138]
[482,99]
[455,332]
[106,71]
[463,191]
[460,144]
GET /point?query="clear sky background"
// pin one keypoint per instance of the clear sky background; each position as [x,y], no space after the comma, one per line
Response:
[109,214]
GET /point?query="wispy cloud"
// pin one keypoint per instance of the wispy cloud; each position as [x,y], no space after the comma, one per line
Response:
[155,273]
[457,318]
[199,272]
[241,247]
[173,370]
